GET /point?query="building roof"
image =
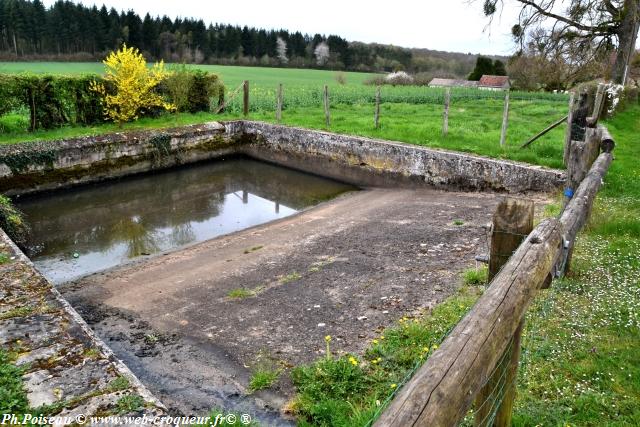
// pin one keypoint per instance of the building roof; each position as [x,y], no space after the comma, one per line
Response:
[453,82]
[494,81]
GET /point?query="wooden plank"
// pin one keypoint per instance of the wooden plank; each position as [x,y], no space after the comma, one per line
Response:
[512,222]
[245,98]
[505,120]
[544,132]
[567,137]
[376,113]
[441,392]
[279,104]
[327,113]
[445,121]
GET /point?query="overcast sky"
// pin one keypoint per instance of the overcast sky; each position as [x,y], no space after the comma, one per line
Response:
[453,25]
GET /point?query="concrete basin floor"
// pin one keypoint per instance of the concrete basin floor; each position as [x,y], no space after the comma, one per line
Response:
[346,268]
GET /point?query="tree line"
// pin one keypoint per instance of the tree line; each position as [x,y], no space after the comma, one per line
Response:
[70,31]
[30,30]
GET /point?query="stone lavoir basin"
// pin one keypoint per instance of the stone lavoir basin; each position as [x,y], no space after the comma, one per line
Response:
[87,229]
[224,259]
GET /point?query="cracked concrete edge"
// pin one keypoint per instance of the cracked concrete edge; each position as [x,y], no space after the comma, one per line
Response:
[120,367]
[436,167]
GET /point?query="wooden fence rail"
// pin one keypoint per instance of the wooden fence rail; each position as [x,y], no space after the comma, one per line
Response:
[443,390]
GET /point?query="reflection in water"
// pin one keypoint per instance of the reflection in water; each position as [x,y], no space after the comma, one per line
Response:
[84,230]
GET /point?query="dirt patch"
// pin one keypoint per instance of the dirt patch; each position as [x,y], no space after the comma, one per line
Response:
[192,324]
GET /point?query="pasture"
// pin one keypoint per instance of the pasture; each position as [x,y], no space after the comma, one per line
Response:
[231,75]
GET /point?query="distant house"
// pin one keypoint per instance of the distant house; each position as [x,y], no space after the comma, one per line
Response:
[494,83]
[452,83]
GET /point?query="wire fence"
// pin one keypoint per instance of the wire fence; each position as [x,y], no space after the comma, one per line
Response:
[264,98]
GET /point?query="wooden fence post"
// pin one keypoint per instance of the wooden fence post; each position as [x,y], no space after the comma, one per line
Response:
[597,104]
[245,98]
[327,114]
[512,222]
[445,123]
[279,104]
[505,120]
[567,136]
[376,113]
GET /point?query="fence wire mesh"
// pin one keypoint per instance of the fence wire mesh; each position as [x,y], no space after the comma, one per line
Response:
[264,98]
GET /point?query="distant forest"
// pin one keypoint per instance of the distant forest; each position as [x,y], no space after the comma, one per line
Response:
[73,32]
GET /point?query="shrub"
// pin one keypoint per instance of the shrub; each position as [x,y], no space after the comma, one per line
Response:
[192,90]
[205,90]
[12,221]
[133,85]
[177,85]
[399,78]
[52,101]
[377,80]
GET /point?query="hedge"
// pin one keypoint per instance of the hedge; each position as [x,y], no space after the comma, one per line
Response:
[55,100]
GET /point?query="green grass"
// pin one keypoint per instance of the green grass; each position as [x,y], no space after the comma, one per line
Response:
[263,378]
[581,361]
[129,403]
[350,390]
[231,75]
[475,276]
[13,397]
[120,383]
[291,277]
[4,258]
[165,121]
[240,293]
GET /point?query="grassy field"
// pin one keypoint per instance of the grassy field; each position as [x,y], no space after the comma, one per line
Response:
[231,75]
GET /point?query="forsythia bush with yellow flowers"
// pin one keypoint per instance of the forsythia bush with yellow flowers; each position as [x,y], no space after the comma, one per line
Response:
[133,84]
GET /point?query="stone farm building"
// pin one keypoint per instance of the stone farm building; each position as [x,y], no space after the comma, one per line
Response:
[486,82]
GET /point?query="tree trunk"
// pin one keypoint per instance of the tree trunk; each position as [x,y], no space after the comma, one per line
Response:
[15,43]
[627,35]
